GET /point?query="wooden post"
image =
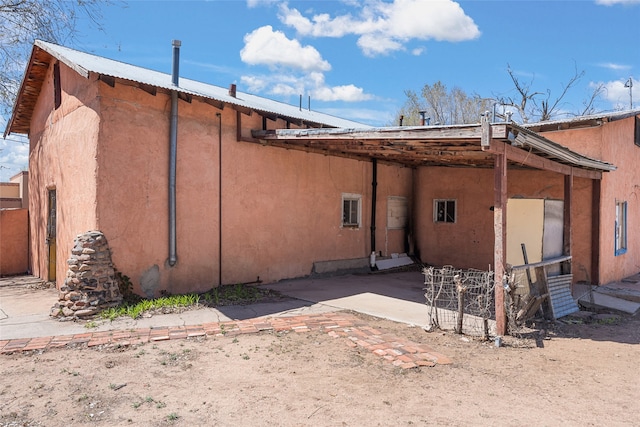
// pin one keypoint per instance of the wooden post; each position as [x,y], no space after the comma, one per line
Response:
[500,237]
[461,289]
[567,232]
[595,231]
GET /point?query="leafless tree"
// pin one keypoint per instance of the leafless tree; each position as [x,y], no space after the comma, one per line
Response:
[442,106]
[541,106]
[23,21]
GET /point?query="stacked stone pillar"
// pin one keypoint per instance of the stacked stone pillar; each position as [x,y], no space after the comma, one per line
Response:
[91,284]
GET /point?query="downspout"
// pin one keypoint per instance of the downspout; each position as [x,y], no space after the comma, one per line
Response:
[173,148]
[374,185]
[219,198]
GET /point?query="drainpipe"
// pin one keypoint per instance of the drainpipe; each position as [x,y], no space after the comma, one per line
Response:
[173,148]
[374,185]
[220,194]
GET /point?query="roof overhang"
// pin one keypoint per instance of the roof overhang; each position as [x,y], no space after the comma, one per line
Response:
[113,72]
[473,146]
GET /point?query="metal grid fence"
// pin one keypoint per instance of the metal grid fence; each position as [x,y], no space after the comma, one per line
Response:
[462,300]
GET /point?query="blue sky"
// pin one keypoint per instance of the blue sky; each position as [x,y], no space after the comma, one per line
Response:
[355,59]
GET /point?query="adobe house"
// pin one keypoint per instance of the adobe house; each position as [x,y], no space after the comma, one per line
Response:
[195,185]
[614,138]
[14,225]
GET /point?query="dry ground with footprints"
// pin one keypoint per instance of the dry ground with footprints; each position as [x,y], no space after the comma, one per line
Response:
[572,374]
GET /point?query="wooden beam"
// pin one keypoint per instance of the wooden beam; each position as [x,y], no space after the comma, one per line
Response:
[500,237]
[526,158]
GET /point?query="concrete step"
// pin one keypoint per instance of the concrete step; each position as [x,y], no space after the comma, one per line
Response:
[599,300]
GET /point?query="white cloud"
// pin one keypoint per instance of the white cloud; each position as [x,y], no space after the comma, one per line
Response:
[313,84]
[264,46]
[615,67]
[617,94]
[256,3]
[385,27]
[349,93]
[300,69]
[614,2]
[14,156]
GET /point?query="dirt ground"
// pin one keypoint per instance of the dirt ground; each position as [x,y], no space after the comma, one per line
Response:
[574,374]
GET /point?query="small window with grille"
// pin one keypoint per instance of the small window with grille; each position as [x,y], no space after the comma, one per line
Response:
[351,210]
[444,210]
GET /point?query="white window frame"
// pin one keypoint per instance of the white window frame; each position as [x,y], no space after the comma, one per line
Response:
[446,202]
[352,198]
[620,239]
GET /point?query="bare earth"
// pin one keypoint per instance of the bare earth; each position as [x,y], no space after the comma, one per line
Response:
[575,374]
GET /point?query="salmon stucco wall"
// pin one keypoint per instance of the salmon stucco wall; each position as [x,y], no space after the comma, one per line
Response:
[468,243]
[62,154]
[613,142]
[14,241]
[281,209]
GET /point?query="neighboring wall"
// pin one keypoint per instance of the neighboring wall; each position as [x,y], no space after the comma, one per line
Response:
[281,208]
[14,242]
[612,142]
[469,242]
[62,157]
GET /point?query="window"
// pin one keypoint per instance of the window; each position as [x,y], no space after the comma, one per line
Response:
[351,207]
[444,211]
[621,228]
[57,89]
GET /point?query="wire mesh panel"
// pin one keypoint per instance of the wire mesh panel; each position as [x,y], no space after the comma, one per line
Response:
[462,300]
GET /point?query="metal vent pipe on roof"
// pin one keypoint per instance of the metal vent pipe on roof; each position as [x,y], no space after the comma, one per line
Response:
[175,69]
[173,150]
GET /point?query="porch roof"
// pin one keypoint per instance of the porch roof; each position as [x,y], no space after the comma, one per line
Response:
[455,146]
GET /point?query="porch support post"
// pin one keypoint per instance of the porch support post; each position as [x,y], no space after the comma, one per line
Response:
[595,231]
[500,237]
[566,229]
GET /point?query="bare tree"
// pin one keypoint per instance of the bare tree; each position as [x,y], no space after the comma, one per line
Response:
[541,106]
[23,21]
[442,106]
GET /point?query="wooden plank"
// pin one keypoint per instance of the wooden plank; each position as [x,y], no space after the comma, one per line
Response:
[527,158]
[543,263]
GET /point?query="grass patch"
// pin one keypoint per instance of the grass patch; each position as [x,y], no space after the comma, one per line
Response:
[134,306]
[137,309]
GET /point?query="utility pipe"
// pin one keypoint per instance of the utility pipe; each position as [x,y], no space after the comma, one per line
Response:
[374,185]
[173,149]
[219,115]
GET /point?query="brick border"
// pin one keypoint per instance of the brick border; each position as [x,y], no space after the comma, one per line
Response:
[400,352]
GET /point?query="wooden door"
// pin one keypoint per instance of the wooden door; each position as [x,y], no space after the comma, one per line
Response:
[51,235]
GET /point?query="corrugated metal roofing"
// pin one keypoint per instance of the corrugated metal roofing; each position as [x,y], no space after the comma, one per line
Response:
[84,63]
[581,120]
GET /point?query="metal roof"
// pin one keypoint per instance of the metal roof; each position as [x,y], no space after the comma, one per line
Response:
[85,63]
[581,121]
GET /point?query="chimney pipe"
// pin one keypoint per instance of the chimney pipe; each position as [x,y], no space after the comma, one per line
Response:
[400,120]
[175,70]
[422,117]
[232,90]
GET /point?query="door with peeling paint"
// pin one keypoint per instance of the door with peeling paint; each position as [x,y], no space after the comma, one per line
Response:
[539,225]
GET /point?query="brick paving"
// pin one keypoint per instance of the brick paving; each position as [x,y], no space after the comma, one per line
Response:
[356,333]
